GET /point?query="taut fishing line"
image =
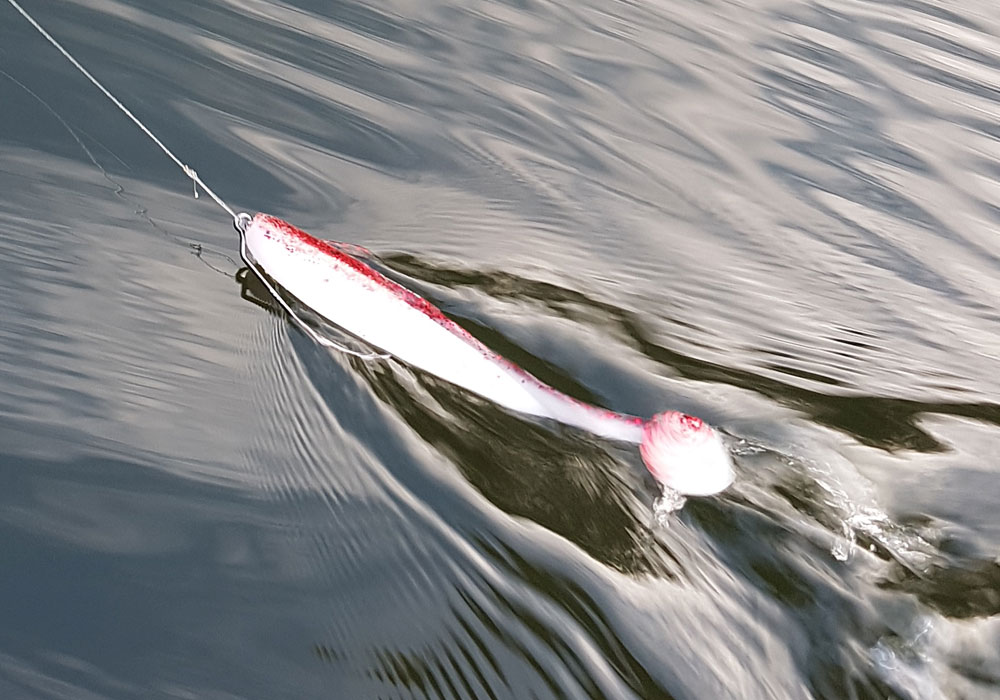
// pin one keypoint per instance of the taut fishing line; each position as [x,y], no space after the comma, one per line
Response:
[188,170]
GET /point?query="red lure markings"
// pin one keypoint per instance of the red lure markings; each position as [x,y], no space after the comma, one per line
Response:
[692,423]
[680,423]
[310,241]
[296,235]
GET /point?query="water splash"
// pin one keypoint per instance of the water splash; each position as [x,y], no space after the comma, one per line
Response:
[832,492]
[668,502]
[906,661]
[867,526]
[905,670]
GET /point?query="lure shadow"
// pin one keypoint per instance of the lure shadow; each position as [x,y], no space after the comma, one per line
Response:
[558,477]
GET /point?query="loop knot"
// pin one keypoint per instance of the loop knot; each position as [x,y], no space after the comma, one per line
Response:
[242,221]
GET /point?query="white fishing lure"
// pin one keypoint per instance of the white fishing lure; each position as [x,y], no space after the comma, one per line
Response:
[682,452]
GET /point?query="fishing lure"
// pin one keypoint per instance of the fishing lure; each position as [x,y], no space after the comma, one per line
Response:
[682,452]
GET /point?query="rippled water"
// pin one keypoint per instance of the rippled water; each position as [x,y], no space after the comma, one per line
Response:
[781,216]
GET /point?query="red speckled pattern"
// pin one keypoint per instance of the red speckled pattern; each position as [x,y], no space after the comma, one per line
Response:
[677,426]
[298,241]
[295,239]
[692,423]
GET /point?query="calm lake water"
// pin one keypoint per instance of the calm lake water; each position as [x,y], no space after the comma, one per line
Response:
[782,216]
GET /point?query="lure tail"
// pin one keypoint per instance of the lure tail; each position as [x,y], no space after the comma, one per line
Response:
[686,454]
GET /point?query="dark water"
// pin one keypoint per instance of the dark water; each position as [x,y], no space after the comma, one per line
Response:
[781,216]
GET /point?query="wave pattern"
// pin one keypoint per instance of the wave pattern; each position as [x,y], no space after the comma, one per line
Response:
[780,216]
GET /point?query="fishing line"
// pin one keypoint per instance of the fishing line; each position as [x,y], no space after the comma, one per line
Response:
[188,170]
[241,221]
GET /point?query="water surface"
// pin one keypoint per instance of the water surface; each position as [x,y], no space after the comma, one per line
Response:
[780,216]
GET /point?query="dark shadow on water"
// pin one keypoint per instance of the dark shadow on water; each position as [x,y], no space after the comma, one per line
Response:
[549,474]
[961,589]
[557,477]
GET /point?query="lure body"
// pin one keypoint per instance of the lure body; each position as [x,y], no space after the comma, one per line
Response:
[390,317]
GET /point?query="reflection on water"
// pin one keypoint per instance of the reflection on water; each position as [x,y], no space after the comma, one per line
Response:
[779,216]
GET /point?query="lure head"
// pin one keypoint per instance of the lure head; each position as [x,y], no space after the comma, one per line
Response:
[686,454]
